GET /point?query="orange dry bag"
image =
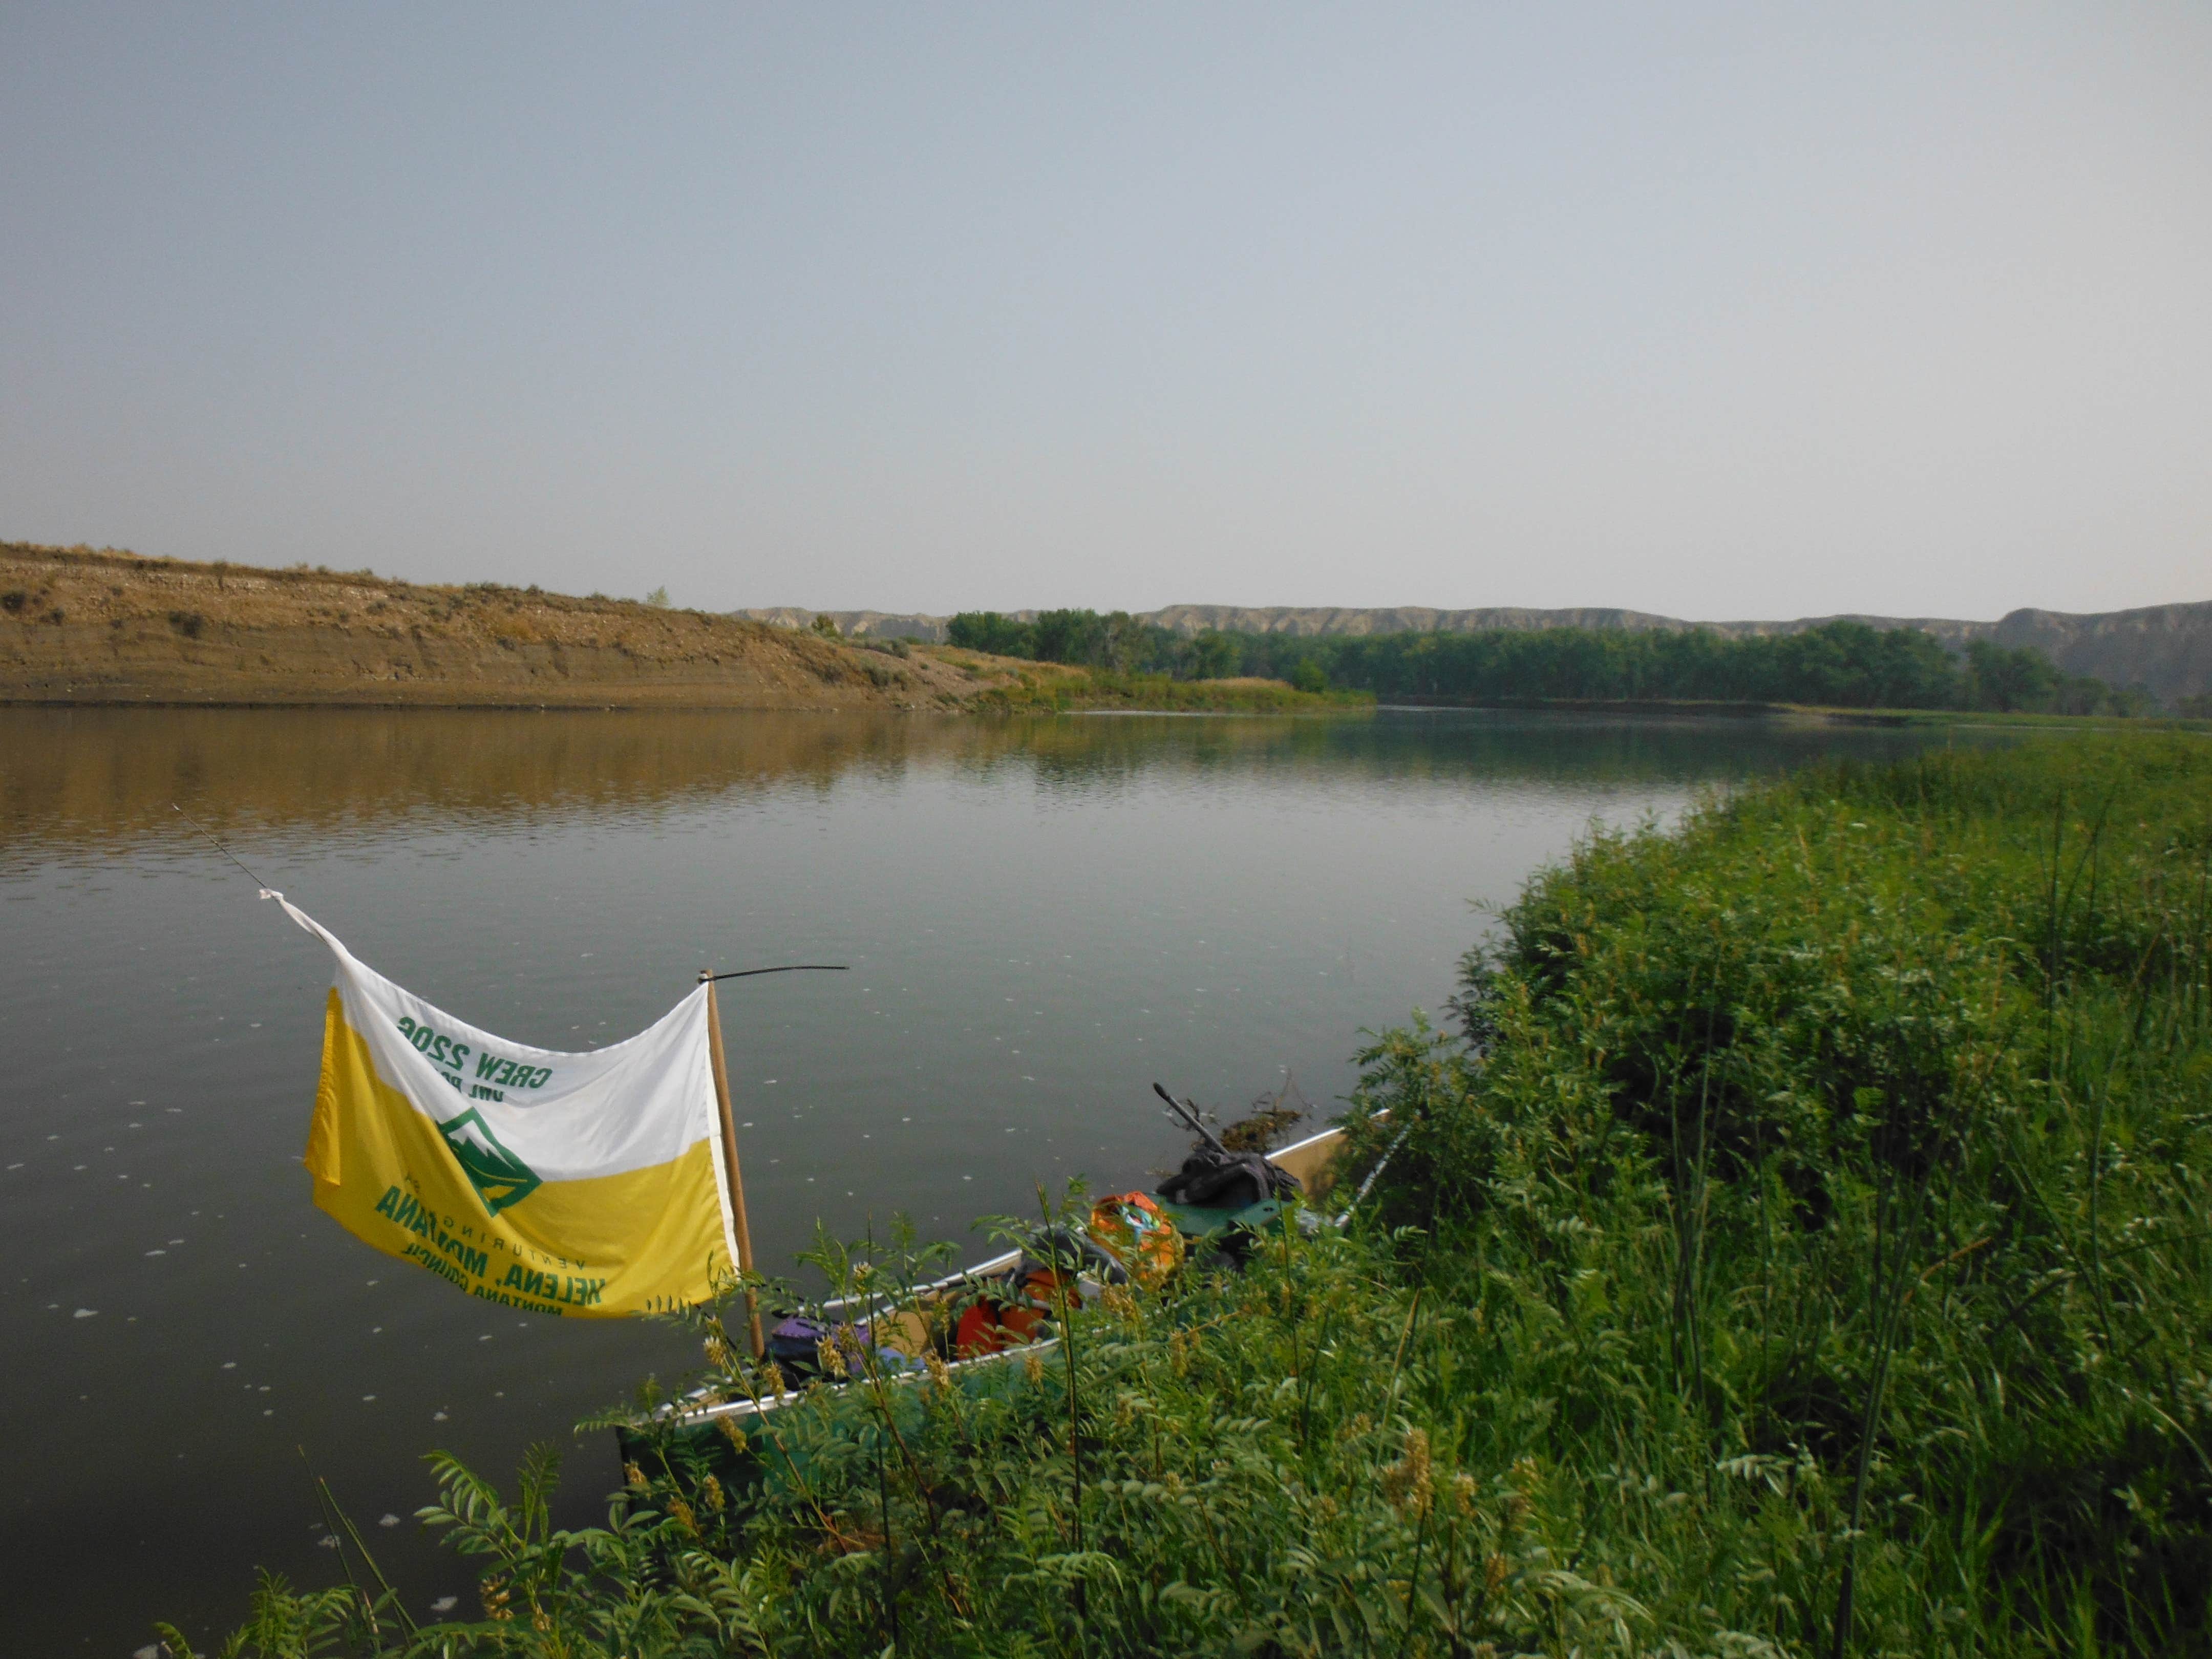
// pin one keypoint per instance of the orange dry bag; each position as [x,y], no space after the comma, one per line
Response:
[1139,1235]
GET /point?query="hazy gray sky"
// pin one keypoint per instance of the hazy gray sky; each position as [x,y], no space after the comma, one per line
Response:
[1767,311]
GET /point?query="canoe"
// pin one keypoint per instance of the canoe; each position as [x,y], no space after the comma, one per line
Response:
[900,1335]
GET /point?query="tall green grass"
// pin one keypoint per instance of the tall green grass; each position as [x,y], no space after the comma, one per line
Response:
[1065,689]
[1798,1244]
[1856,1136]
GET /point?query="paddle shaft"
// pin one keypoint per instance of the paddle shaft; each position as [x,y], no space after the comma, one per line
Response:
[1189,1114]
[730,1163]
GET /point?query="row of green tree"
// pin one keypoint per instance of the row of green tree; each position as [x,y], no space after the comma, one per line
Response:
[1844,664]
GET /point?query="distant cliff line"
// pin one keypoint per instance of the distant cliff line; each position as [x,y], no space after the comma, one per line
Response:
[2167,649]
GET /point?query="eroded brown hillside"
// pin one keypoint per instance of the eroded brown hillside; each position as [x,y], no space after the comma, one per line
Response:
[80,625]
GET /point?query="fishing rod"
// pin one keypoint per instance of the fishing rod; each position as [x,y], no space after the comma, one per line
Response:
[218,846]
[1373,1176]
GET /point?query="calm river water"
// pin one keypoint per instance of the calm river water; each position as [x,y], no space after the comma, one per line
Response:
[1044,917]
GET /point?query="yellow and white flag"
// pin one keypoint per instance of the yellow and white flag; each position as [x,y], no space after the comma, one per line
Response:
[583,1185]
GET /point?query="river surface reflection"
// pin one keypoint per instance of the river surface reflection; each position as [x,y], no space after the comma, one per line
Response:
[1043,916]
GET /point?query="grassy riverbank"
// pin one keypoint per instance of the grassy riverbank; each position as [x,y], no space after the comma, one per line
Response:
[1050,688]
[1798,1245]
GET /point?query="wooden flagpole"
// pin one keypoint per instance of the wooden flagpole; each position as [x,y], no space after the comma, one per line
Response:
[729,1157]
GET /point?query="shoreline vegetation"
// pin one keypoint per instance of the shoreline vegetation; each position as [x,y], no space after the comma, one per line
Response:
[84,627]
[1836,664]
[1795,1244]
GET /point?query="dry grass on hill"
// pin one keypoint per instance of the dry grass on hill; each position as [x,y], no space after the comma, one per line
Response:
[81,625]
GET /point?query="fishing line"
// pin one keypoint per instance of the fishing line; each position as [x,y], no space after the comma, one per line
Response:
[791,968]
[704,978]
[218,846]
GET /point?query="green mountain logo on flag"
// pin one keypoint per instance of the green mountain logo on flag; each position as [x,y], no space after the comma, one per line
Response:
[499,1177]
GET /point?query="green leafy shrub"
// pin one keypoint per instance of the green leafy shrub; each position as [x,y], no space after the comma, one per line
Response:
[1871,1110]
